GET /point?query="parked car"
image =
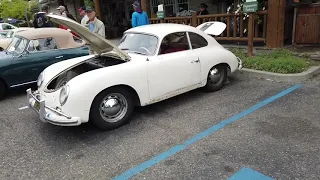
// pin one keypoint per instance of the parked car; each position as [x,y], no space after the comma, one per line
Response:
[31,51]
[4,42]
[152,63]
[7,26]
[3,34]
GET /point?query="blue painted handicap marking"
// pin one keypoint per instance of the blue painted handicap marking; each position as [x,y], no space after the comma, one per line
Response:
[248,174]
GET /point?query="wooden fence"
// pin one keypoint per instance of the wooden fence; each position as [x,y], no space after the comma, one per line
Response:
[236,25]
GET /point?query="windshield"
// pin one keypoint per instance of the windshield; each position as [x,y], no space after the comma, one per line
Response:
[9,34]
[17,45]
[139,43]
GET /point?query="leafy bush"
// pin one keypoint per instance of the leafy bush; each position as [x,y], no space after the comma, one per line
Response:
[13,8]
[278,61]
[88,3]
[18,9]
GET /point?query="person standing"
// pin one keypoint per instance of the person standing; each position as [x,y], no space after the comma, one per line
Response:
[94,25]
[40,19]
[139,17]
[203,9]
[83,14]
[65,13]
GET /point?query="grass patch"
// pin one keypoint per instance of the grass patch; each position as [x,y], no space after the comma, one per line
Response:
[277,61]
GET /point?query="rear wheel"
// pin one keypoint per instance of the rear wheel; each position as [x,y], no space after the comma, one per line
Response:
[112,108]
[217,77]
[3,89]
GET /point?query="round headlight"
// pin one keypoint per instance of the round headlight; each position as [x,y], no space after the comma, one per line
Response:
[40,79]
[64,93]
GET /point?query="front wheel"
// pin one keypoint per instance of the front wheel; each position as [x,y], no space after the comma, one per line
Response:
[217,77]
[112,108]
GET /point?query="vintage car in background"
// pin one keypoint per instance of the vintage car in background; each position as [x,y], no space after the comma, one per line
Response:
[4,42]
[3,34]
[31,51]
[152,63]
[7,26]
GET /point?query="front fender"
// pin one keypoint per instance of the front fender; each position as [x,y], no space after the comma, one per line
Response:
[85,87]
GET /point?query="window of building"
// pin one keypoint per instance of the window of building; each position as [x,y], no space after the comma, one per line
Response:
[183,5]
[171,7]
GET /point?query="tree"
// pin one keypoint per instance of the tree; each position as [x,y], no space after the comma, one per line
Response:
[89,3]
[13,9]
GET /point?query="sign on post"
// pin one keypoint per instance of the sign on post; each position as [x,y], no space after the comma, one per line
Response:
[250,6]
[160,13]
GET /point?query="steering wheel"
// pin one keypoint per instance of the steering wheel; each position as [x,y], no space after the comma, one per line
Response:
[145,49]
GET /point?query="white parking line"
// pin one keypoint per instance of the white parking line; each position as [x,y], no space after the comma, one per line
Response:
[22,108]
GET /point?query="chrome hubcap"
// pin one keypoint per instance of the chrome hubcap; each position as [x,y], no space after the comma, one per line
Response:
[113,107]
[214,75]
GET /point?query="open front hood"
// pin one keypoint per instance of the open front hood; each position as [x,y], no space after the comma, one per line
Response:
[97,43]
[55,69]
[212,28]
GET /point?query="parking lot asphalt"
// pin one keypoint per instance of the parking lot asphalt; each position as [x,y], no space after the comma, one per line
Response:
[280,140]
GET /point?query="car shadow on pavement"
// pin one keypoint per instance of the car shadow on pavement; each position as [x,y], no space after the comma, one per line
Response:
[18,92]
[90,135]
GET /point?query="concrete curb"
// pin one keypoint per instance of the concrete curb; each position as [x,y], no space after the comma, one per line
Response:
[299,77]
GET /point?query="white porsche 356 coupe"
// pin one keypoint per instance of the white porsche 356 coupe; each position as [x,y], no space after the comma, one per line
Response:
[151,64]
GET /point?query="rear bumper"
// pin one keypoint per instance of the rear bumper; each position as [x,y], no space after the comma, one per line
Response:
[239,63]
[48,114]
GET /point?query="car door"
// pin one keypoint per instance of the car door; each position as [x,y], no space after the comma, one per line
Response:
[43,53]
[74,52]
[21,65]
[175,69]
[39,54]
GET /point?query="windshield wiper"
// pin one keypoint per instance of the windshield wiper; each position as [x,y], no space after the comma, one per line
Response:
[137,52]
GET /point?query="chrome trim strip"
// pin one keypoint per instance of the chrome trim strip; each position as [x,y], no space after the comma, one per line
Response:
[61,123]
[58,112]
[23,84]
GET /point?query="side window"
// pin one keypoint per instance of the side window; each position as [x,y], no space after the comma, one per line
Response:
[22,45]
[174,42]
[197,41]
[44,44]
[6,27]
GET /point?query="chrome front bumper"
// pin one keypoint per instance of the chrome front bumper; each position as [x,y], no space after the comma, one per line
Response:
[48,114]
[239,63]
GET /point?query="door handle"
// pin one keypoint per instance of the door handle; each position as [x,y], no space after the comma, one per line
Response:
[195,61]
[58,57]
